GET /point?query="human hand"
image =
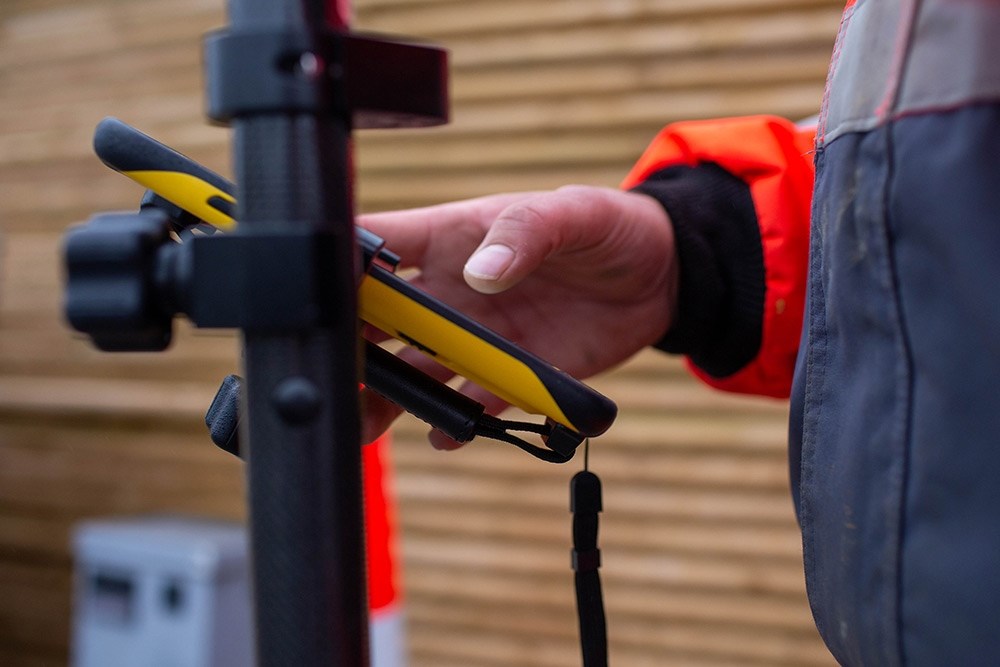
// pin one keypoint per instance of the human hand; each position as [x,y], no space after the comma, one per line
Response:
[583,277]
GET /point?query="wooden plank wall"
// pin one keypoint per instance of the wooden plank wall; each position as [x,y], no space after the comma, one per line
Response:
[702,558]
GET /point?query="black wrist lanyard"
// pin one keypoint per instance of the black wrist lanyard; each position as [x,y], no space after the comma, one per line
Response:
[585,504]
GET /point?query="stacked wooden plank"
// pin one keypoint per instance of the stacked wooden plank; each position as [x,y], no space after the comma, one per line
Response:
[702,559]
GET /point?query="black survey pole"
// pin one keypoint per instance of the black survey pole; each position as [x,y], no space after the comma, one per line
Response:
[291,81]
[302,429]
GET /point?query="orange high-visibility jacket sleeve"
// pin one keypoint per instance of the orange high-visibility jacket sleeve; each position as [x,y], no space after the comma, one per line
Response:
[775,159]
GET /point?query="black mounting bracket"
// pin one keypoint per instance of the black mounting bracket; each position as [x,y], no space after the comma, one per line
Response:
[382,83]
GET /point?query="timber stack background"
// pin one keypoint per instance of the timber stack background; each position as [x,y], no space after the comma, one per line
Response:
[702,556]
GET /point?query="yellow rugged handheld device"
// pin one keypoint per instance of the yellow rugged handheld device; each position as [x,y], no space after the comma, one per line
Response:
[386,301]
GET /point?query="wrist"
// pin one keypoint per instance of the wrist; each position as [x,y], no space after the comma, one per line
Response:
[720,300]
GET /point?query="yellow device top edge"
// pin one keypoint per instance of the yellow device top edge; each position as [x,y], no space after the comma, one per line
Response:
[189,192]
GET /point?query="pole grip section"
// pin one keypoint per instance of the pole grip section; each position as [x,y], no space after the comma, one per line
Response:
[302,428]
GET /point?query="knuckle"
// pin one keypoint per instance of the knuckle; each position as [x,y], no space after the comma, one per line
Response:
[523,215]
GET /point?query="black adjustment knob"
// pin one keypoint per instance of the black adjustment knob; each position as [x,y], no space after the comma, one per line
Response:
[111,291]
[223,416]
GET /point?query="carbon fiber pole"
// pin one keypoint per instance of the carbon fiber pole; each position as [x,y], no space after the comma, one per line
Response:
[302,428]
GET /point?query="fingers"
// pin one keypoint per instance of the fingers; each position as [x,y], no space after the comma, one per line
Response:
[378,415]
[442,442]
[378,412]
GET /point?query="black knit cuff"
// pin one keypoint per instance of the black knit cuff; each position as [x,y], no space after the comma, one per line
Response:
[721,300]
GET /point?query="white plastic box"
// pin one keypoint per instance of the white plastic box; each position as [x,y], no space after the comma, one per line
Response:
[162,592]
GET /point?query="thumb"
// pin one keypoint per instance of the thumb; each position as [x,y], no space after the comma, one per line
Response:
[519,240]
[489,268]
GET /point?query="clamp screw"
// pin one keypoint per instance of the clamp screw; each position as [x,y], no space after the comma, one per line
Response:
[296,399]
